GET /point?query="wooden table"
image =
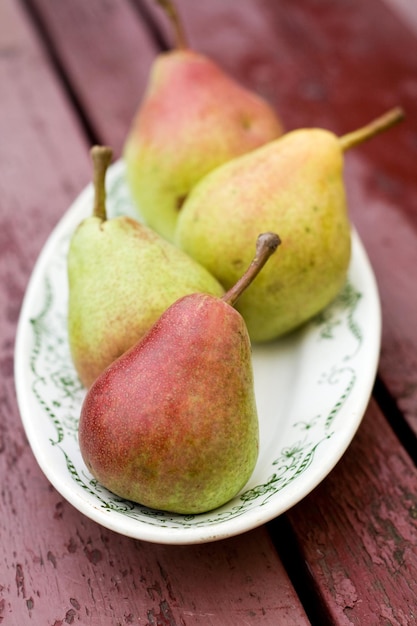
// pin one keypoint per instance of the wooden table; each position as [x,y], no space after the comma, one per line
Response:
[72,74]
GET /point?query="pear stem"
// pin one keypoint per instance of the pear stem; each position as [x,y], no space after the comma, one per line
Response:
[170,9]
[101,157]
[266,245]
[379,125]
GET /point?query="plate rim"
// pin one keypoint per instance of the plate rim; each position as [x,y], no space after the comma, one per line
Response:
[251,518]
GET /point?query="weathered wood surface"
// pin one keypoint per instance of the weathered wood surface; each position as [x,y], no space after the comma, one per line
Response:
[74,72]
[105,52]
[358,531]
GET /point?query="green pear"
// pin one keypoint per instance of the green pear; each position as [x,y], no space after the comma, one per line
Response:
[293,185]
[121,276]
[192,118]
[172,424]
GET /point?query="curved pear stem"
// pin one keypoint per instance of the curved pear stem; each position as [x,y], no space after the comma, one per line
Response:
[101,156]
[170,9]
[379,125]
[266,245]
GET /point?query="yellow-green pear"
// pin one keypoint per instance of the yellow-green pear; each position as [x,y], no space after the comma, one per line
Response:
[293,185]
[122,276]
[192,118]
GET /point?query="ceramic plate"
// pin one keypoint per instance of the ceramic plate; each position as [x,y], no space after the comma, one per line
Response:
[312,389]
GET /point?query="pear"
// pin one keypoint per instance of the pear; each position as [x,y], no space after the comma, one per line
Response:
[121,277]
[192,118]
[172,424]
[293,185]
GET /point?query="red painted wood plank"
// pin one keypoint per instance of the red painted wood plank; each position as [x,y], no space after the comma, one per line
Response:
[56,566]
[358,531]
[106,52]
[406,10]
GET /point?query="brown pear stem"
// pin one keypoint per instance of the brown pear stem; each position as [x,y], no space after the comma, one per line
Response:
[170,9]
[379,125]
[101,157]
[266,245]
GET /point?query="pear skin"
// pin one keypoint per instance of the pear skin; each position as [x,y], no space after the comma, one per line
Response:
[121,277]
[293,185]
[172,424]
[193,118]
[186,439]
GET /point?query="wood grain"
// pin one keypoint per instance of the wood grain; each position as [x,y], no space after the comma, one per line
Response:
[106,53]
[357,531]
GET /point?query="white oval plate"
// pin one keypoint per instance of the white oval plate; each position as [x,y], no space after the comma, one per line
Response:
[312,389]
